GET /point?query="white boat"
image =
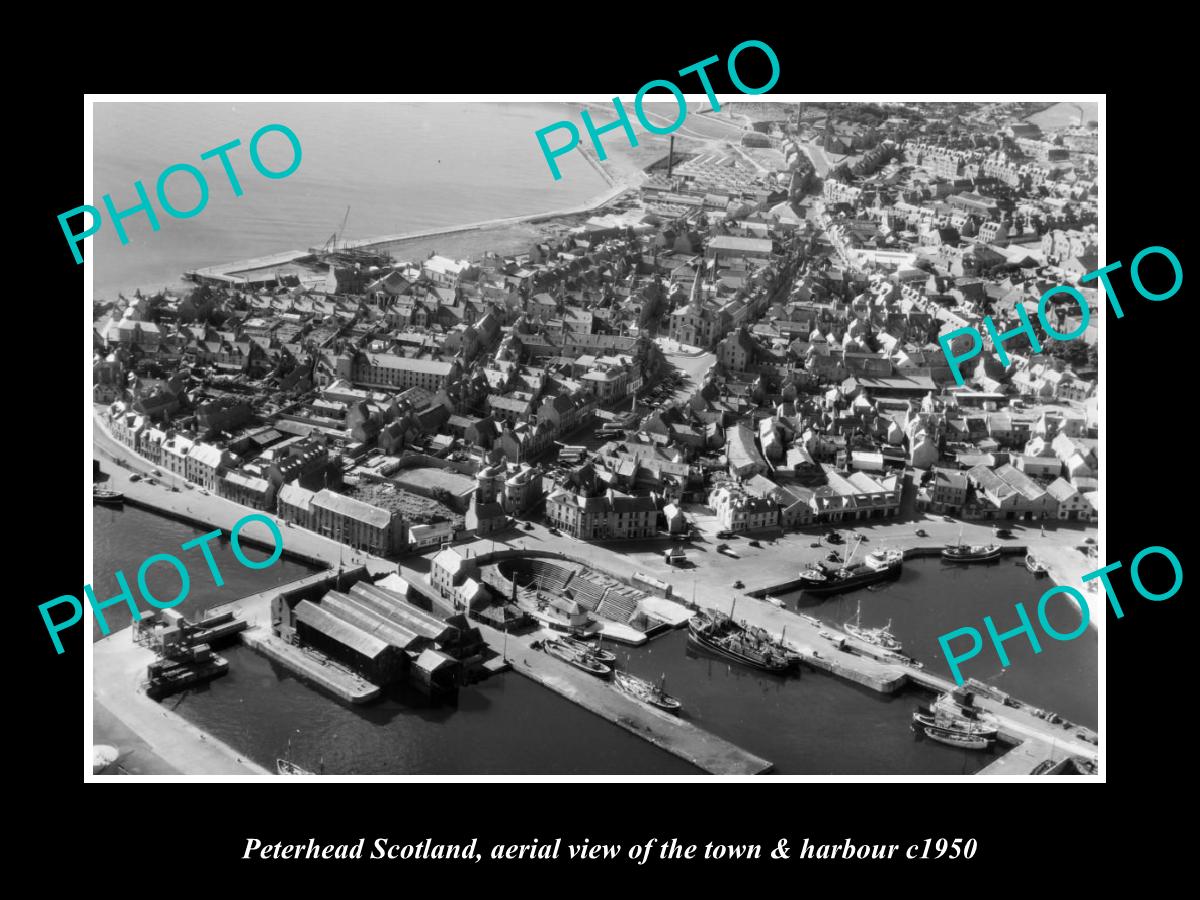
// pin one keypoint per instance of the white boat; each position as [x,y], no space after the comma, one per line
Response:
[877,637]
[954,739]
[959,704]
[285,766]
[884,558]
[774,601]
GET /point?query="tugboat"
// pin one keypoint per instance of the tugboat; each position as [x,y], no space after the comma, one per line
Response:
[584,661]
[105,497]
[643,690]
[878,637]
[597,652]
[1034,566]
[722,635]
[970,553]
[820,578]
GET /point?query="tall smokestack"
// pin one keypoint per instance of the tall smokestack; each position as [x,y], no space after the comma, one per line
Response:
[671,157]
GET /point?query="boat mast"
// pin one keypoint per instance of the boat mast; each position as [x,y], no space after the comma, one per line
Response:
[854,551]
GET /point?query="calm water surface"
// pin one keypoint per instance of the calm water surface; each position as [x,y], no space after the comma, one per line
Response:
[399,166]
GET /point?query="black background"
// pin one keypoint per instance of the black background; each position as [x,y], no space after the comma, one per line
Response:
[1149,431]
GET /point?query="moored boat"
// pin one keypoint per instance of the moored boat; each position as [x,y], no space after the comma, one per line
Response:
[954,739]
[878,637]
[969,553]
[598,653]
[822,578]
[926,716]
[284,765]
[640,689]
[959,705]
[106,497]
[884,558]
[584,661]
[1034,565]
[755,648]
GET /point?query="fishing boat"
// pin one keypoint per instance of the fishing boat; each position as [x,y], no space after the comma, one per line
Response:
[597,652]
[284,765]
[959,705]
[1034,566]
[640,689]
[878,637]
[822,578]
[105,497]
[584,661]
[954,739]
[924,715]
[774,601]
[884,558]
[970,553]
[722,635]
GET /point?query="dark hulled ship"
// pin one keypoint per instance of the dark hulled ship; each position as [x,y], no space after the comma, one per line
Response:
[720,634]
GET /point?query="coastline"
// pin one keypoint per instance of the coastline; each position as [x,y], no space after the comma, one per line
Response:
[508,234]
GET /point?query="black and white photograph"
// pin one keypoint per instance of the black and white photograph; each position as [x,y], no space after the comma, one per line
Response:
[640,438]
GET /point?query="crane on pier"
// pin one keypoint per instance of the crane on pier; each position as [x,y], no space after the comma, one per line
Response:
[331,244]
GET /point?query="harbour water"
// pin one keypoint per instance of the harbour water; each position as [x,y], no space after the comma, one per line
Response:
[505,725]
[400,167]
[931,598]
[813,724]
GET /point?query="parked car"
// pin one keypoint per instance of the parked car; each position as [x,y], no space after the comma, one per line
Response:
[135,477]
[553,530]
[1003,533]
[738,584]
[529,526]
[158,473]
[947,518]
[723,535]
[755,544]
[921,533]
[834,538]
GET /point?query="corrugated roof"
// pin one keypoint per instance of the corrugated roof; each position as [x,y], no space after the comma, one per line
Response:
[354,611]
[337,629]
[391,606]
